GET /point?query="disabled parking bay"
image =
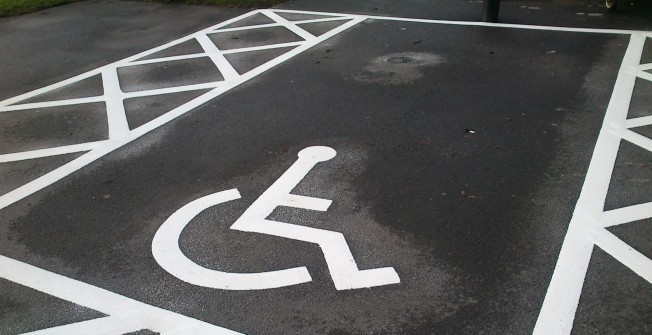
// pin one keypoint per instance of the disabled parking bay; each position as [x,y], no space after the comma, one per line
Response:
[298,172]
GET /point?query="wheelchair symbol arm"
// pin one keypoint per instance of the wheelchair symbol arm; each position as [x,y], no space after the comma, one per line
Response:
[166,251]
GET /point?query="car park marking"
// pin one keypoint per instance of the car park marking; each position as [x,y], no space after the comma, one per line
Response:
[340,261]
[586,229]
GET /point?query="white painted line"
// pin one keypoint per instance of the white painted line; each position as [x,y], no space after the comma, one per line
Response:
[227,70]
[262,47]
[340,15]
[176,89]
[54,103]
[289,25]
[645,67]
[258,26]
[560,304]
[627,214]
[639,122]
[638,139]
[66,149]
[301,201]
[166,59]
[134,314]
[476,24]
[115,109]
[327,19]
[645,75]
[622,252]
[168,254]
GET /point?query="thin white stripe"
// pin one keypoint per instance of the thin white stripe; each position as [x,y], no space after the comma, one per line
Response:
[627,214]
[67,149]
[227,70]
[115,109]
[639,122]
[54,103]
[625,254]
[159,91]
[258,26]
[289,25]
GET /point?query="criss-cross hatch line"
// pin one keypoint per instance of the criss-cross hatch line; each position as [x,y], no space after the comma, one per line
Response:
[589,222]
[114,94]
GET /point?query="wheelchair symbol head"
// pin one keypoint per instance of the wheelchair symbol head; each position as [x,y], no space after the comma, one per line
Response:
[317,153]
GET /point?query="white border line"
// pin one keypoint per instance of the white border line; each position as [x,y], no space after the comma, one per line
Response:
[477,24]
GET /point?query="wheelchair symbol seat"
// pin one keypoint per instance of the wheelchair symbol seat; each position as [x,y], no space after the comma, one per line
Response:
[341,264]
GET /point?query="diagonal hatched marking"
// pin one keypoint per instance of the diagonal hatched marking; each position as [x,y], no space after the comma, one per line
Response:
[589,222]
[119,132]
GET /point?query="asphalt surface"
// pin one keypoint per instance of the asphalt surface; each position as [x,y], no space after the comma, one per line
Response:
[461,153]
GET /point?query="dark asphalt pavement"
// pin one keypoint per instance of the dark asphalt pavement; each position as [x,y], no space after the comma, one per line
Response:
[461,154]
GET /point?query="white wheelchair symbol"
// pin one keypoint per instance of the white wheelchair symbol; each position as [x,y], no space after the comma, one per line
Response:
[341,264]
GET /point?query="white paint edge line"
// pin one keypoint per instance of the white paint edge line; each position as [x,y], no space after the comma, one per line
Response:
[166,59]
[644,75]
[48,88]
[54,103]
[69,168]
[638,139]
[645,67]
[40,153]
[639,122]
[628,214]
[101,300]
[176,89]
[225,68]
[624,253]
[263,47]
[327,19]
[258,26]
[479,24]
[562,298]
[295,11]
[289,25]
[115,109]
